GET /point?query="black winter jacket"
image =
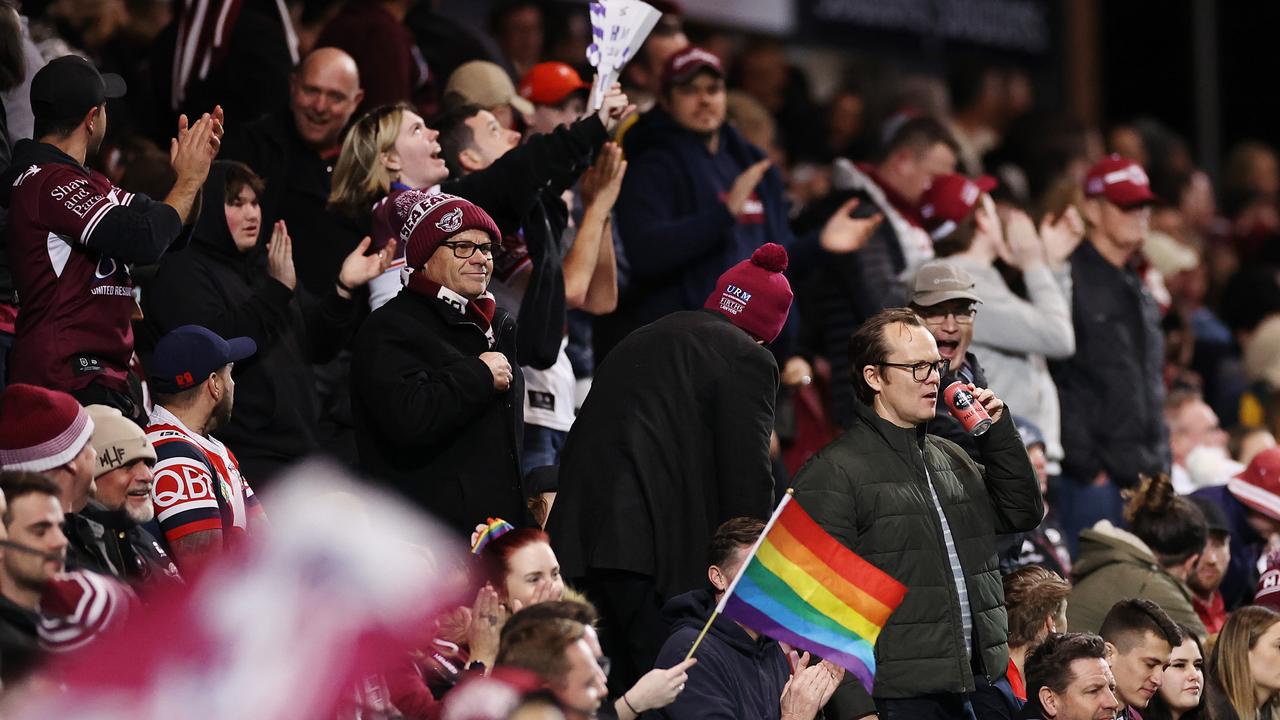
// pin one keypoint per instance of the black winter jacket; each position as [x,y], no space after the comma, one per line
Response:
[672,441]
[214,285]
[735,677]
[1112,390]
[109,543]
[428,420]
[869,490]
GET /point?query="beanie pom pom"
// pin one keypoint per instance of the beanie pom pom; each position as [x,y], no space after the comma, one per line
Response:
[771,257]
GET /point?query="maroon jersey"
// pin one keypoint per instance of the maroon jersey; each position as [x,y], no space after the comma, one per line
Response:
[71,237]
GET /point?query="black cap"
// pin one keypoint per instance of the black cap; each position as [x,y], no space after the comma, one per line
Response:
[67,87]
[1214,517]
[187,356]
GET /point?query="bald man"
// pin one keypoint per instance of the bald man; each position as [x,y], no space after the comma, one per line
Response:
[294,150]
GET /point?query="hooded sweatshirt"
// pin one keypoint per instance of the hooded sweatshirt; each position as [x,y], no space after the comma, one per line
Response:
[735,677]
[215,285]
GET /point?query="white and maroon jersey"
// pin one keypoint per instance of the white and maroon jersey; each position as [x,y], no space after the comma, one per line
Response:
[197,485]
[71,236]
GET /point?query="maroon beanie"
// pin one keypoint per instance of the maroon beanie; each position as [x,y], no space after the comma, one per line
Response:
[77,606]
[754,294]
[40,429]
[427,220]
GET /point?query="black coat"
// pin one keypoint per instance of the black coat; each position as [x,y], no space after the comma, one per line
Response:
[20,651]
[212,284]
[736,677]
[672,441]
[109,543]
[427,418]
[1112,390]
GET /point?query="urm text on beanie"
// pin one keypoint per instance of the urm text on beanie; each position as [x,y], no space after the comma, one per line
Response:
[754,294]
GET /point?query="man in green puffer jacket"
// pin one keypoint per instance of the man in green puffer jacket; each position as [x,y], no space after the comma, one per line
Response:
[917,507]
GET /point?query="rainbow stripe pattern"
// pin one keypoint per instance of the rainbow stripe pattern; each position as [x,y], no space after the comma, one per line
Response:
[804,588]
[494,528]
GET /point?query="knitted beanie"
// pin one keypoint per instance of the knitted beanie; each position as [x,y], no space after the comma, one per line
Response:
[754,294]
[77,606]
[40,429]
[426,220]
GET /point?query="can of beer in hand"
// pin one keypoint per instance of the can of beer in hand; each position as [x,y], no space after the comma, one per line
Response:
[966,408]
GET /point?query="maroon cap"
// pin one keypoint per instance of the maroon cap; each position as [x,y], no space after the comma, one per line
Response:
[754,294]
[682,66]
[1258,485]
[950,200]
[1120,181]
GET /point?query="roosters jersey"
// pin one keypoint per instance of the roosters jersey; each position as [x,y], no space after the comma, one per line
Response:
[197,483]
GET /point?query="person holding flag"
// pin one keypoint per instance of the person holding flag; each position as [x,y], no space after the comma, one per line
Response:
[918,508]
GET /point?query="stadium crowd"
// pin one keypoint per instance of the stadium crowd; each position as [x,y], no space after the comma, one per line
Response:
[601,342]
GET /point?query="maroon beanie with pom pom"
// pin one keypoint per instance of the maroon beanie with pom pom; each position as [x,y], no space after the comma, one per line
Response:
[754,294]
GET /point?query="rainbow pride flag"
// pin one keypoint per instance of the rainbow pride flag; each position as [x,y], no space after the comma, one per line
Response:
[802,587]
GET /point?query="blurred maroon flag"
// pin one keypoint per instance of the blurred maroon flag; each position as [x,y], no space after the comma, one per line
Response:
[345,581]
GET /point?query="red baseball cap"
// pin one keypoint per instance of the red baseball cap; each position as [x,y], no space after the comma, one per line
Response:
[1120,181]
[682,66]
[950,200]
[1258,486]
[550,83]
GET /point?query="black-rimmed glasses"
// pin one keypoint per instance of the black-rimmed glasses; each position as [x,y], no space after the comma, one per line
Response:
[464,249]
[921,371]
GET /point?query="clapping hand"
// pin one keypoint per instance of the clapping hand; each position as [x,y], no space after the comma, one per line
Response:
[358,269]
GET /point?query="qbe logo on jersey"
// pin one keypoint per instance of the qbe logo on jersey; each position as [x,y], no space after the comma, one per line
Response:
[181,481]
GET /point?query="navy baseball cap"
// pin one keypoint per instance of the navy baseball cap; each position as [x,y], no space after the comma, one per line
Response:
[1030,432]
[188,355]
[67,87]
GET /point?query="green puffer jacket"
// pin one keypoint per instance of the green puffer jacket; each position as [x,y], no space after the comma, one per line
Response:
[1114,565]
[868,489]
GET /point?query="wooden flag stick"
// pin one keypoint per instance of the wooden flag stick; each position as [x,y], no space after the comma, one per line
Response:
[746,561]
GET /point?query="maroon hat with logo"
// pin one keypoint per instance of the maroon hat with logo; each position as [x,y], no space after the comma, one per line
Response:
[1120,181]
[426,220]
[682,66]
[754,294]
[950,200]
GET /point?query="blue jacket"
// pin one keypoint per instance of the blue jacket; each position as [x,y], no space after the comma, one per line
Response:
[1241,579]
[676,232]
[735,677]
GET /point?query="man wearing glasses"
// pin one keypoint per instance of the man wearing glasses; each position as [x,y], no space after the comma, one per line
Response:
[435,384]
[920,509]
[942,295]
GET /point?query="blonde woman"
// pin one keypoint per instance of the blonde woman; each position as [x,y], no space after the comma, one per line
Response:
[1244,672]
[387,151]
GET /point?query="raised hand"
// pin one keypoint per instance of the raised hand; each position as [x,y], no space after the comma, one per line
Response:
[358,269]
[614,108]
[280,256]
[1025,249]
[487,618]
[659,687]
[744,185]
[844,233]
[1062,235]
[992,404]
[602,181]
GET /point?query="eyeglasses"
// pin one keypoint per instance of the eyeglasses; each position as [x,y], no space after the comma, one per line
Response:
[605,664]
[465,249]
[939,316]
[921,371]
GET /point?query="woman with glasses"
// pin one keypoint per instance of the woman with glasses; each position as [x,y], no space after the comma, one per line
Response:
[229,283]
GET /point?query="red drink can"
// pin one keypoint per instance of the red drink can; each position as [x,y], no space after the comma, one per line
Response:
[966,408]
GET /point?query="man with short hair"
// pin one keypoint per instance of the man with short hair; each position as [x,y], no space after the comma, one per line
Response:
[486,84]
[436,386]
[558,93]
[294,153]
[1197,442]
[1205,579]
[1140,638]
[203,504]
[73,236]
[1112,389]
[47,431]
[34,552]
[1068,679]
[942,295]
[857,285]
[118,544]
[740,673]
[919,508]
[558,652]
[1036,600]
[1251,503]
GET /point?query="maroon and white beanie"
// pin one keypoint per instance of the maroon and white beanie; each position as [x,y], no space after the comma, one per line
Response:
[77,607]
[40,429]
[426,220]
